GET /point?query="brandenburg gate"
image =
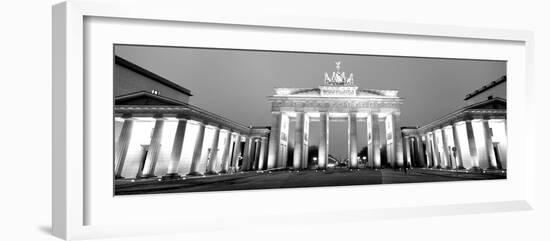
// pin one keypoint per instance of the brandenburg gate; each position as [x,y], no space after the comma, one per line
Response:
[338,99]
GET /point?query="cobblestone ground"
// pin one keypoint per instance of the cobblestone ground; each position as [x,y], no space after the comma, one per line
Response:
[288,179]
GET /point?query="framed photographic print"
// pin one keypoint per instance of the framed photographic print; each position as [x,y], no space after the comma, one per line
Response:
[179,113]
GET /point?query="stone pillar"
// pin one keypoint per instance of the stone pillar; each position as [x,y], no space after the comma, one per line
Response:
[197,152]
[252,154]
[447,160]
[352,140]
[246,153]
[237,152]
[256,164]
[305,149]
[408,154]
[370,157]
[427,154]
[226,156]
[397,143]
[154,149]
[323,141]
[283,154]
[376,143]
[458,149]
[274,140]
[438,142]
[491,159]
[429,151]
[177,146]
[383,141]
[121,147]
[263,150]
[435,151]
[299,141]
[421,151]
[211,162]
[472,145]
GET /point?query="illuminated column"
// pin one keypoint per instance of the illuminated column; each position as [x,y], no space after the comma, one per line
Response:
[197,151]
[176,150]
[263,149]
[448,160]
[299,141]
[256,164]
[283,143]
[383,139]
[435,151]
[377,161]
[274,140]
[456,139]
[429,152]
[213,153]
[472,145]
[226,156]
[430,145]
[323,142]
[237,153]
[251,154]
[407,149]
[370,157]
[305,149]
[439,146]
[421,152]
[397,143]
[246,153]
[352,139]
[491,159]
[121,147]
[154,149]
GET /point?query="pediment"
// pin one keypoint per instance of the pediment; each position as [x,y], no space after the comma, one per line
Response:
[495,103]
[145,98]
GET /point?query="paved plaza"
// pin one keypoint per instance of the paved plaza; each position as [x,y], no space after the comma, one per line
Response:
[293,179]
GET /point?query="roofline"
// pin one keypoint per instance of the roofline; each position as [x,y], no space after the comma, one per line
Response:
[486,87]
[184,106]
[142,92]
[138,69]
[460,110]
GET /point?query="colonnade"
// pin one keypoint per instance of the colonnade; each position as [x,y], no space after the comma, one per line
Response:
[383,129]
[468,144]
[233,156]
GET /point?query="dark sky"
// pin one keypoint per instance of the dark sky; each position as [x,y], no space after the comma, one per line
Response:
[235,83]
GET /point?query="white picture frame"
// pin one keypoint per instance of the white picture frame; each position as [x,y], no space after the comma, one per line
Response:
[78,195]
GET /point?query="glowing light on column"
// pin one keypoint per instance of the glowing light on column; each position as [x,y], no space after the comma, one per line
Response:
[450,143]
[467,160]
[141,135]
[191,131]
[479,136]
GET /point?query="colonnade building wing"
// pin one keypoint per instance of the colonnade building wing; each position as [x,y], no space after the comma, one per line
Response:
[222,153]
[473,137]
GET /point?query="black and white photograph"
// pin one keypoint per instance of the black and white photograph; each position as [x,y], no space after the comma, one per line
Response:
[204,119]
